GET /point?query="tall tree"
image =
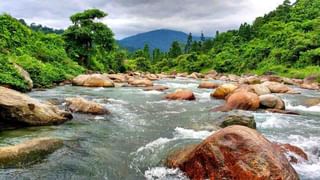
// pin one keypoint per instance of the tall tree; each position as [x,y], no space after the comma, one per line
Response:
[175,50]
[187,48]
[146,51]
[202,37]
[88,41]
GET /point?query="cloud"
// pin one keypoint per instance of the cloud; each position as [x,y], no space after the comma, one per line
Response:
[128,17]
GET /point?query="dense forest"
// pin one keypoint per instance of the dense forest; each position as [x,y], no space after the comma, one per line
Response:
[285,41]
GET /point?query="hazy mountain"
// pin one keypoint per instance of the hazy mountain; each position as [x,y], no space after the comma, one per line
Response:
[161,39]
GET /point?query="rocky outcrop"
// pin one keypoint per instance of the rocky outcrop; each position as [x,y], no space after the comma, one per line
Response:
[224,90]
[82,105]
[18,108]
[235,152]
[156,88]
[250,80]
[93,80]
[25,75]
[28,152]
[271,101]
[118,78]
[181,94]
[208,85]
[240,100]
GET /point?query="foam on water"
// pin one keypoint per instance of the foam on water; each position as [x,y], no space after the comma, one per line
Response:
[162,173]
[274,122]
[315,109]
[117,101]
[190,133]
[179,85]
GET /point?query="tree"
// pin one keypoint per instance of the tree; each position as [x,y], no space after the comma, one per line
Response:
[87,41]
[175,50]
[202,37]
[156,55]
[146,52]
[187,48]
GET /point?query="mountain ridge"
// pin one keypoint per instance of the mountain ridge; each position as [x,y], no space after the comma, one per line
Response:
[159,38]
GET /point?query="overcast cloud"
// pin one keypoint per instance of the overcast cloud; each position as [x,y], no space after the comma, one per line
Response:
[129,17]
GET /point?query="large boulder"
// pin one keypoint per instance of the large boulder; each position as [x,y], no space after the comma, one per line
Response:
[240,100]
[222,91]
[261,89]
[181,94]
[276,87]
[82,105]
[25,75]
[28,152]
[93,80]
[235,152]
[208,85]
[271,101]
[140,82]
[18,108]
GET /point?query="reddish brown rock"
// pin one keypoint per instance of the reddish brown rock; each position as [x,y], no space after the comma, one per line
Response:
[235,152]
[311,86]
[222,91]
[208,85]
[240,100]
[181,94]
[156,88]
[294,153]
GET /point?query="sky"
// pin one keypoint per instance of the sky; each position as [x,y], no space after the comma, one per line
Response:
[130,17]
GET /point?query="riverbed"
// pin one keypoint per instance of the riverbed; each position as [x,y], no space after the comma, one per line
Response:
[134,141]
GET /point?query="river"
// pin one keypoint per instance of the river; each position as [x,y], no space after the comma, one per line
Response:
[135,140]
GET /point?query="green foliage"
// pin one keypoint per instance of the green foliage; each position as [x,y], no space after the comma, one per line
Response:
[285,41]
[88,42]
[9,75]
[42,55]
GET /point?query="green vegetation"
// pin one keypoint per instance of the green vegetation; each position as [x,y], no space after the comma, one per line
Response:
[42,55]
[286,42]
[52,58]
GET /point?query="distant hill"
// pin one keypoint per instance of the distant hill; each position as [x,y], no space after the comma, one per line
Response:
[161,39]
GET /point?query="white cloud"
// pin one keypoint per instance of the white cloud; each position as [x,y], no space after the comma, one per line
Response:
[128,17]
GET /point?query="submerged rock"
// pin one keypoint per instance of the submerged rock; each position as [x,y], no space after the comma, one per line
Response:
[293,153]
[16,107]
[239,118]
[240,100]
[84,106]
[141,82]
[181,94]
[271,101]
[224,90]
[93,80]
[28,152]
[156,88]
[208,85]
[235,152]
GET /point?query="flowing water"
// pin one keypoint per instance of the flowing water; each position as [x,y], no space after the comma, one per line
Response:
[135,140]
